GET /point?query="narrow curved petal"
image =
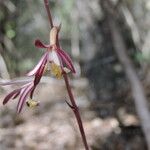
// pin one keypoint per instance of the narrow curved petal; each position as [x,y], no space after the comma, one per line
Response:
[39,44]
[40,63]
[21,93]
[32,91]
[24,93]
[16,95]
[11,95]
[40,71]
[66,59]
[15,82]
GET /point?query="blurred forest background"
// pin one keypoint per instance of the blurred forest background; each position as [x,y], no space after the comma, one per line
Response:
[109,41]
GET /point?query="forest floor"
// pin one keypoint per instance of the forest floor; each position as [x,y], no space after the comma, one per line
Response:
[52,125]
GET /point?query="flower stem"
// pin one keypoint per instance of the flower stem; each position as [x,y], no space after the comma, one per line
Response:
[72,100]
[76,111]
[48,13]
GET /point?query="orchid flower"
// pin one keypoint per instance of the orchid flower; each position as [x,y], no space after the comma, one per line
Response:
[23,93]
[59,62]
[54,57]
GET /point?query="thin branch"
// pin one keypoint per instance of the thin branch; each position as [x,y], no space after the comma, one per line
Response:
[132,25]
[138,94]
[140,99]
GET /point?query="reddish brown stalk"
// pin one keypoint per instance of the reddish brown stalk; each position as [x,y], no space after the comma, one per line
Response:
[73,105]
[75,109]
[46,2]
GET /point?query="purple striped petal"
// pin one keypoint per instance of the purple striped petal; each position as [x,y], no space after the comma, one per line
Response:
[21,93]
[23,97]
[37,67]
[40,71]
[32,91]
[66,59]
[16,95]
[39,44]
[10,95]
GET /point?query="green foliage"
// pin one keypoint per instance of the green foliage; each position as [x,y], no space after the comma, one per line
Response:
[141,57]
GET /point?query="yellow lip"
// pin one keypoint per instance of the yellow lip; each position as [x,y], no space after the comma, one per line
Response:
[32,103]
[56,70]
